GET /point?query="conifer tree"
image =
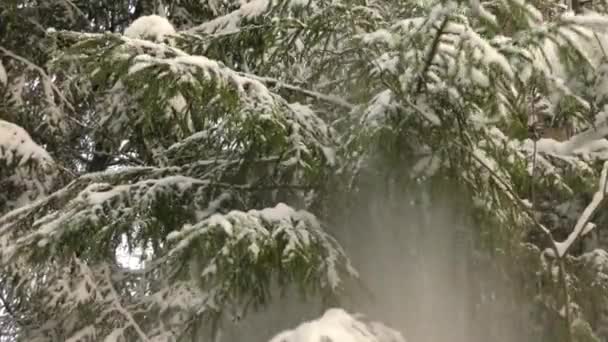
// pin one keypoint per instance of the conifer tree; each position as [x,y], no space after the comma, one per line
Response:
[214,142]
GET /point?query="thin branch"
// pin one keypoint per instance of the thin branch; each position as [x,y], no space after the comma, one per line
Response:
[431,55]
[583,220]
[42,73]
[8,309]
[266,80]
[121,309]
[327,98]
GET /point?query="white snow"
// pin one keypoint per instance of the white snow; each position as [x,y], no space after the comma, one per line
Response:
[409,24]
[425,110]
[590,142]
[480,78]
[299,229]
[178,103]
[579,38]
[15,142]
[189,64]
[381,104]
[150,27]
[379,36]
[212,207]
[280,212]
[3,76]
[330,155]
[198,61]
[221,221]
[595,20]
[231,22]
[337,325]
[254,8]
[386,62]
[426,166]
[479,10]
[83,334]
[490,55]
[598,258]
[582,224]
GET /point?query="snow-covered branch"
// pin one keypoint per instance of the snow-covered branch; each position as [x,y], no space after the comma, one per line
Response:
[583,225]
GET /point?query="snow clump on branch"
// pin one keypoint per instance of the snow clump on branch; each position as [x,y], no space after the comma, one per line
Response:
[151,27]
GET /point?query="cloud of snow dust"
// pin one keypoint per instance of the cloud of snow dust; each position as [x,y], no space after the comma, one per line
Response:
[418,267]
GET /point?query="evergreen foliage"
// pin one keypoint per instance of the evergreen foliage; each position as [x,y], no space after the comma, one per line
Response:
[218,142]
